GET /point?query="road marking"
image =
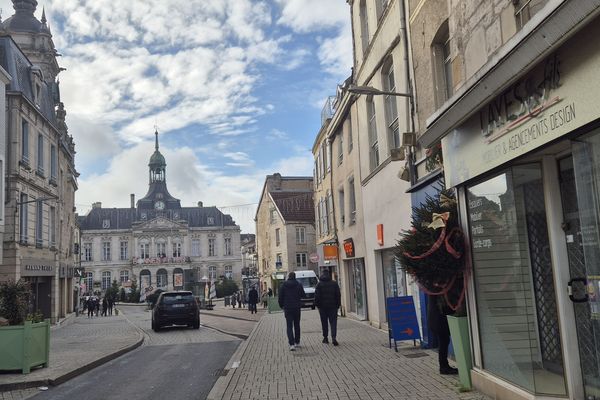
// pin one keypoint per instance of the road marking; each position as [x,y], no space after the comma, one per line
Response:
[235,364]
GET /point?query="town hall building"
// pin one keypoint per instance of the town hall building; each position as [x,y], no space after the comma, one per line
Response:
[157,243]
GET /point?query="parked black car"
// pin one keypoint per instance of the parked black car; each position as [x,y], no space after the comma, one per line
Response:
[175,308]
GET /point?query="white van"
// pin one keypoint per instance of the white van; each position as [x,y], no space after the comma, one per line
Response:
[309,281]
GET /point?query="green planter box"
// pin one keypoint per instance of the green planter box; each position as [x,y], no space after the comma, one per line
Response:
[459,332]
[273,304]
[24,346]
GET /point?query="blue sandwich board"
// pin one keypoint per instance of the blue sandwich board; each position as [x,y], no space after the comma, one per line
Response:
[402,320]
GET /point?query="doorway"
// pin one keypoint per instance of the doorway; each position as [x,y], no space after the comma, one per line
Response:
[579,176]
[358,295]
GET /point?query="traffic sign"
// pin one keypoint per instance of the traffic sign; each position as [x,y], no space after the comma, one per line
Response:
[314,258]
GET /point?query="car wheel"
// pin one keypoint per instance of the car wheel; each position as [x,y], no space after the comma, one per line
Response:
[155,326]
[197,324]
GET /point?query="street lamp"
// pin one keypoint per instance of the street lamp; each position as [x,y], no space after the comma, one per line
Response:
[371,91]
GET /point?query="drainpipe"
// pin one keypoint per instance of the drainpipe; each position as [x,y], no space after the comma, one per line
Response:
[404,34]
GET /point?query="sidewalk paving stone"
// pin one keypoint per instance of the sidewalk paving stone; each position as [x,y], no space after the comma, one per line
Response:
[361,367]
[75,347]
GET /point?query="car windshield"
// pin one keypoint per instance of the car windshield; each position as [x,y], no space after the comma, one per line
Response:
[172,298]
[308,282]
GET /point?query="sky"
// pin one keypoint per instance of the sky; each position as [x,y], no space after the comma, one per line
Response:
[234,87]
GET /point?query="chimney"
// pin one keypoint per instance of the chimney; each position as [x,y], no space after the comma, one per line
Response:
[200,204]
[132,200]
[96,205]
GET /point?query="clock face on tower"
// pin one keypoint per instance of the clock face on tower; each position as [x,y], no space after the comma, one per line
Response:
[159,205]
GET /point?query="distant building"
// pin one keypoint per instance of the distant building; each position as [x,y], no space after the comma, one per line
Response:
[37,161]
[285,228]
[248,241]
[157,243]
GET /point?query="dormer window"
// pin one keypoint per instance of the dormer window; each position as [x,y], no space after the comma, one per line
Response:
[36,80]
[210,220]
[38,94]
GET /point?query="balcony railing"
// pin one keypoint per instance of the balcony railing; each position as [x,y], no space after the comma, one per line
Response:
[328,109]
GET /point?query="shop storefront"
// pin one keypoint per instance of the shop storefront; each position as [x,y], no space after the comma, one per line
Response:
[356,282]
[41,275]
[526,167]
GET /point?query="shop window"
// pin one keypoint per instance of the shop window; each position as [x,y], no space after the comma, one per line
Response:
[514,287]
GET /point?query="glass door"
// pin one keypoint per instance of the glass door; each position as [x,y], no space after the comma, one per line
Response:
[580,192]
[360,298]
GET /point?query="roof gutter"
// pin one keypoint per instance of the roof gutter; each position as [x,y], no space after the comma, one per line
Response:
[548,29]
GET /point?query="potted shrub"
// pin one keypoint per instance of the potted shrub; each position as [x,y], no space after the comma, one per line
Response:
[432,253]
[26,338]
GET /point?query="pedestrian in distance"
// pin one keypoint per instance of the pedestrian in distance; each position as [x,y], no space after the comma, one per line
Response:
[91,307]
[239,299]
[252,300]
[233,299]
[437,309]
[290,300]
[104,306]
[270,292]
[97,305]
[111,304]
[264,299]
[328,300]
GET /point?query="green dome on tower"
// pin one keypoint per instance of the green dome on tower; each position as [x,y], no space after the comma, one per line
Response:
[157,159]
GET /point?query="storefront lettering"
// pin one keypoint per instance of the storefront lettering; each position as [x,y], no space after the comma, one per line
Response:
[38,268]
[525,99]
[475,203]
[477,230]
[476,217]
[482,243]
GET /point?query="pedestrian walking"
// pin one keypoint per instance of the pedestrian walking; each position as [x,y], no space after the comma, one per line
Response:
[290,300]
[264,299]
[328,300]
[437,309]
[97,305]
[233,300]
[252,300]
[239,299]
[111,304]
[270,292]
[91,307]
[104,306]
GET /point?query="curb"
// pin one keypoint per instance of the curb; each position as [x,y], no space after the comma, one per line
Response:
[222,383]
[7,387]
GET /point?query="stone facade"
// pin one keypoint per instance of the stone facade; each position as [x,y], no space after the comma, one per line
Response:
[285,232]
[41,179]
[157,243]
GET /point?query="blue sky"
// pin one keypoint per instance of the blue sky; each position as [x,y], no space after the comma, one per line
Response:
[235,87]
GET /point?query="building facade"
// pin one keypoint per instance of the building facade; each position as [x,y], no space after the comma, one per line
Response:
[157,243]
[515,108]
[386,131]
[285,228]
[39,167]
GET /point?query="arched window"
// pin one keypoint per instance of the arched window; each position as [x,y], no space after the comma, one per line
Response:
[145,280]
[106,280]
[161,249]
[162,278]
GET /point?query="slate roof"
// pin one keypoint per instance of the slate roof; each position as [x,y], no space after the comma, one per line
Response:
[295,205]
[124,218]
[20,69]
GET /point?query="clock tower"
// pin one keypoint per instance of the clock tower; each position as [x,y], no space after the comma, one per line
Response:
[158,197]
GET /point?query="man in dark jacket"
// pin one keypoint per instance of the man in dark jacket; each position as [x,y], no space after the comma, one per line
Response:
[252,300]
[290,300]
[328,301]
[438,323]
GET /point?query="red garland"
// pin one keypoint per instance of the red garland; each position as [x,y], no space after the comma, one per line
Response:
[432,250]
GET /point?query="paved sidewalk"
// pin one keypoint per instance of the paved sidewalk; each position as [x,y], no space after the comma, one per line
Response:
[362,367]
[76,347]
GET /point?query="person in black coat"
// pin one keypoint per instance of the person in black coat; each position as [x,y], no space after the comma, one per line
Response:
[253,299]
[290,300]
[438,323]
[328,300]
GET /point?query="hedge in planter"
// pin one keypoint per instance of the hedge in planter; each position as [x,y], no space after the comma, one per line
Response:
[25,343]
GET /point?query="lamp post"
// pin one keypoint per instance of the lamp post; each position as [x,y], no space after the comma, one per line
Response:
[371,91]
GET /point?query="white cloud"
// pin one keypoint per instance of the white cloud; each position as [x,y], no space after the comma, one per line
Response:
[313,15]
